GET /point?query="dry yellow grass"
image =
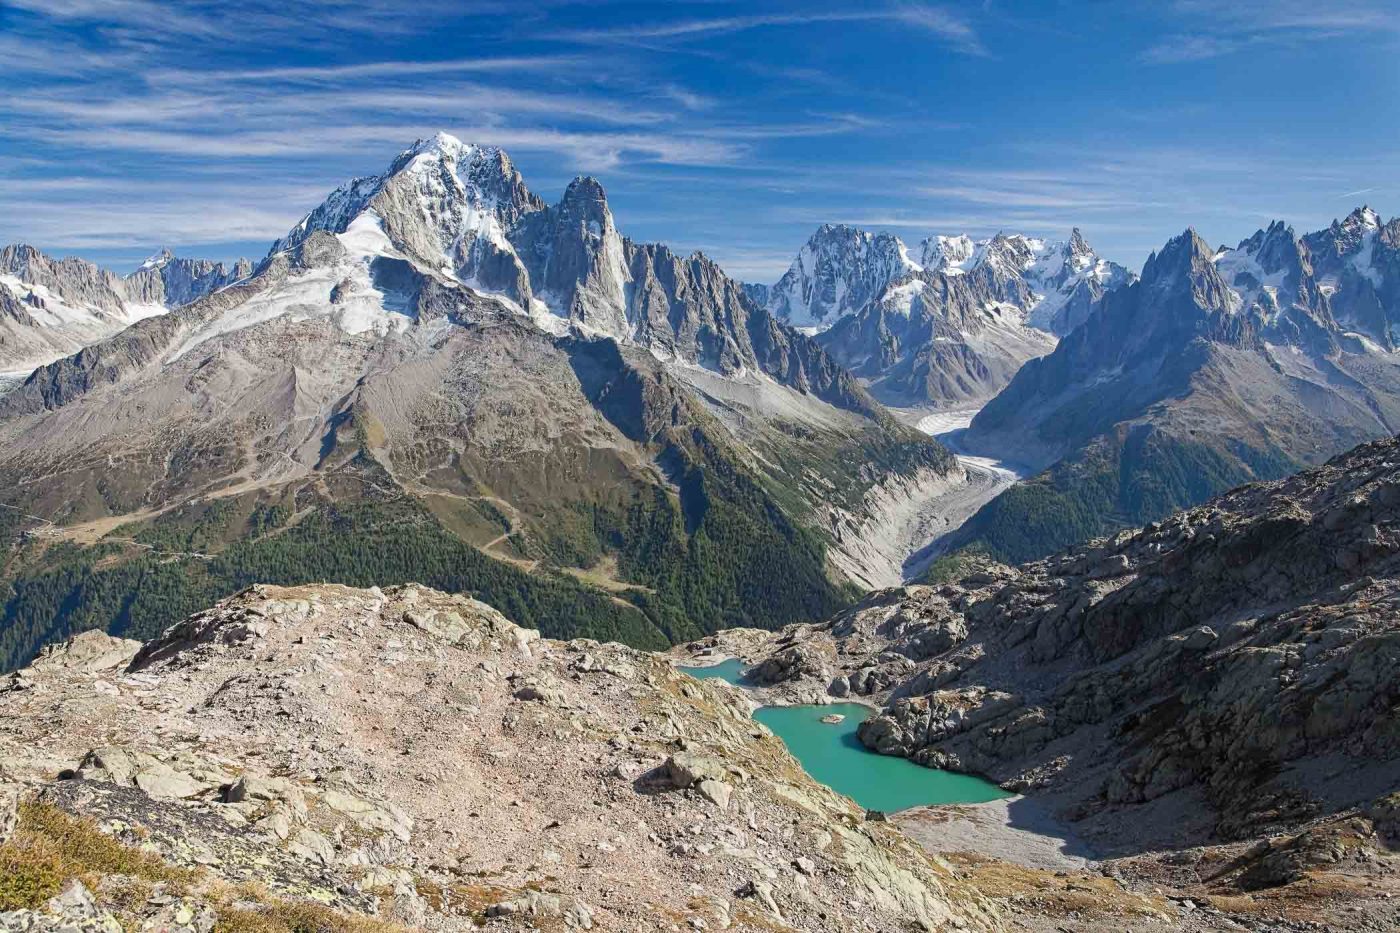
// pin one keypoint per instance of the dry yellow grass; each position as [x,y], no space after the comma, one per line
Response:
[50,848]
[296,917]
[1051,893]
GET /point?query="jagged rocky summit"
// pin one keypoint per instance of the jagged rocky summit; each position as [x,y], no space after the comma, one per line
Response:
[950,327]
[463,212]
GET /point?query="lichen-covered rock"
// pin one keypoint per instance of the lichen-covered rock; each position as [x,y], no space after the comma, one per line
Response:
[686,769]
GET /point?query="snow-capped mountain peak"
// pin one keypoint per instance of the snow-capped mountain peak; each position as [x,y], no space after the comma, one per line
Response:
[436,194]
[1012,254]
[459,215]
[838,271]
[440,143]
[1078,253]
[157,260]
[948,254]
[842,269]
[1363,217]
[1067,277]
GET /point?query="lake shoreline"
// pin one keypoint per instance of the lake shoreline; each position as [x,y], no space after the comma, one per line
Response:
[1013,827]
[720,669]
[832,754]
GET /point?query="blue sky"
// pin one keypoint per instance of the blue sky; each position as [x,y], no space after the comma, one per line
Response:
[735,128]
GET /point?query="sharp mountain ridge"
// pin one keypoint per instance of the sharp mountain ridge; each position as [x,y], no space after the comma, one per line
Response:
[50,308]
[950,327]
[1217,367]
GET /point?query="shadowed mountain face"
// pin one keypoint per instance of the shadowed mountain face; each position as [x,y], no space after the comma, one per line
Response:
[1218,367]
[435,377]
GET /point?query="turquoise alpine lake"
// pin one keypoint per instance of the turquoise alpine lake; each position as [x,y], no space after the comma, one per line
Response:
[832,754]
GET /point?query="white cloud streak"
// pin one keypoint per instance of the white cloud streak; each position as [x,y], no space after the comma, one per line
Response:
[1214,30]
[952,28]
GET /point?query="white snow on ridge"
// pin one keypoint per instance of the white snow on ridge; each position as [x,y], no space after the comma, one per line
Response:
[1361,260]
[836,272]
[1367,343]
[364,237]
[904,259]
[841,270]
[47,309]
[360,307]
[465,213]
[1240,268]
[951,255]
[901,297]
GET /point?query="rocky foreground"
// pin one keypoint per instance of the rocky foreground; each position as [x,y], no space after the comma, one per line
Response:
[1212,702]
[324,758]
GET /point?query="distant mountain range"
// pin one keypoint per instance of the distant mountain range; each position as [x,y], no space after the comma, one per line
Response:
[438,376]
[950,327]
[50,308]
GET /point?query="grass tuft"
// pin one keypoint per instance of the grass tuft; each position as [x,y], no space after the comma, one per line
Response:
[50,848]
[296,917]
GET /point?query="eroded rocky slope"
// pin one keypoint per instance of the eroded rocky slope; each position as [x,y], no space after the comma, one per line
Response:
[415,757]
[1216,693]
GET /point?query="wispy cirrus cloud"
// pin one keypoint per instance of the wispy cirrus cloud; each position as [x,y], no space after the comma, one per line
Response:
[1188,48]
[589,150]
[142,22]
[263,89]
[1212,30]
[312,74]
[79,214]
[941,22]
[1258,15]
[736,127]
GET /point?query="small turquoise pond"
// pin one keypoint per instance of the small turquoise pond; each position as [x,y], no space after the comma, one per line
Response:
[727,671]
[831,754]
